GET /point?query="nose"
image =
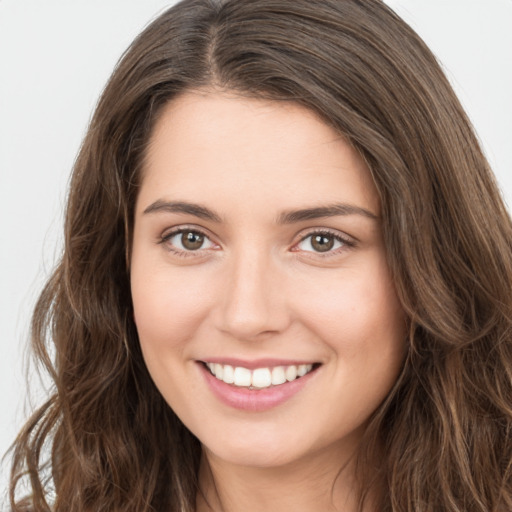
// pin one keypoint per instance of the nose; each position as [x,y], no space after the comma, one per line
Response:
[254,301]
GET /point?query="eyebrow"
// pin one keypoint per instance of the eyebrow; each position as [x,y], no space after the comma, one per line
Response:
[333,210]
[287,217]
[183,207]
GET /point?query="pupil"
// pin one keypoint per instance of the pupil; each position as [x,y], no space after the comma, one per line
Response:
[192,241]
[322,243]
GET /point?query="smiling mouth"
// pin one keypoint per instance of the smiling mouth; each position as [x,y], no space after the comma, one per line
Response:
[259,378]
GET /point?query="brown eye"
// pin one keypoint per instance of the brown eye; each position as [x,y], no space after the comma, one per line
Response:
[322,243]
[186,241]
[191,240]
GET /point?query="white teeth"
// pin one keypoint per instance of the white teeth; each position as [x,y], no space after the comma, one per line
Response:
[302,370]
[229,374]
[278,376]
[218,371]
[242,377]
[291,373]
[260,377]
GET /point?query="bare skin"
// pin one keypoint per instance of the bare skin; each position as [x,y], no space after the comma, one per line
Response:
[303,486]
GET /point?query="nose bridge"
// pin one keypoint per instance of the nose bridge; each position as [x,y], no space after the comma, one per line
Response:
[253,299]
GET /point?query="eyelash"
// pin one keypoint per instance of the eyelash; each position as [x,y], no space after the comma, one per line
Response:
[346,242]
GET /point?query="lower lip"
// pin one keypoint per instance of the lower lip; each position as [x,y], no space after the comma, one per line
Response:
[255,400]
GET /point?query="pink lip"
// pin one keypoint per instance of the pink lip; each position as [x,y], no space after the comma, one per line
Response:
[255,400]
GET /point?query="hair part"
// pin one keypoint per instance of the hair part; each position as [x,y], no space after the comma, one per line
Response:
[445,429]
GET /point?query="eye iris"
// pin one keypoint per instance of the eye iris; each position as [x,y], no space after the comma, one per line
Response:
[322,243]
[192,241]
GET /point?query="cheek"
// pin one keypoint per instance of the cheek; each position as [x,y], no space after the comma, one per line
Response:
[168,305]
[168,310]
[355,312]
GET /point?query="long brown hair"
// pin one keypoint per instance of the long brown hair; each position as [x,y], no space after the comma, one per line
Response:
[446,427]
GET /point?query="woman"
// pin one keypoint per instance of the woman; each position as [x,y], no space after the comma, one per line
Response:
[286,281]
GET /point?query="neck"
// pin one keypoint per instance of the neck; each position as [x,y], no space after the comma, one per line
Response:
[303,486]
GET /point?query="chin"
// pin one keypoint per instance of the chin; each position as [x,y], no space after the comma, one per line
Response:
[248,451]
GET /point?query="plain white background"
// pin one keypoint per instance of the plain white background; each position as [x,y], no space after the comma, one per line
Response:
[55,57]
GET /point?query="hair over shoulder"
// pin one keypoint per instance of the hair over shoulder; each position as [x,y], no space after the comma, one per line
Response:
[106,440]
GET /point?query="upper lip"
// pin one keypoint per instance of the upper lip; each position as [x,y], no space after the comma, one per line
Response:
[256,363]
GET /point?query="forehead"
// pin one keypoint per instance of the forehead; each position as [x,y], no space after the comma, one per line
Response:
[220,145]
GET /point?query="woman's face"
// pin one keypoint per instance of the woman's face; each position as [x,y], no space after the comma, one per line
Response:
[258,256]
